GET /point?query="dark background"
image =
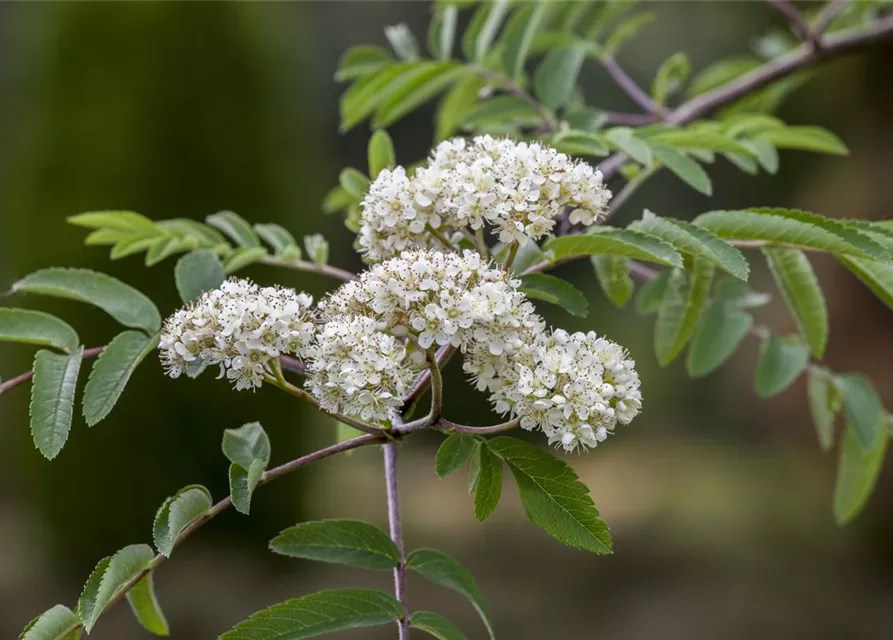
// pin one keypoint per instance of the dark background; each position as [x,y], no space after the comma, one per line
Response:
[719,503]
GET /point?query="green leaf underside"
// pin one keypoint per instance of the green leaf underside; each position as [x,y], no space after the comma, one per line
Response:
[145,607]
[244,257]
[700,139]
[489,484]
[518,37]
[36,327]
[619,242]
[178,512]
[556,291]
[52,399]
[688,170]
[554,498]
[121,301]
[435,625]
[857,473]
[278,237]
[245,444]
[718,336]
[112,371]
[792,228]
[122,221]
[421,84]
[801,291]
[696,242]
[806,139]
[235,227]
[243,482]
[58,623]
[349,542]
[877,276]
[106,581]
[681,309]
[862,406]
[455,104]
[198,272]
[556,76]
[443,570]
[613,276]
[453,453]
[819,391]
[380,152]
[652,293]
[318,614]
[782,360]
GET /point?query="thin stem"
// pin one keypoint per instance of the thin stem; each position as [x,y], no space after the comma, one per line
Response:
[442,239]
[311,267]
[826,16]
[24,377]
[293,364]
[510,258]
[629,86]
[436,386]
[391,484]
[629,189]
[798,23]
[630,119]
[444,353]
[481,243]
[463,428]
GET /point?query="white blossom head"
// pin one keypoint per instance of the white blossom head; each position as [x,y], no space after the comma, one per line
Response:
[516,188]
[241,327]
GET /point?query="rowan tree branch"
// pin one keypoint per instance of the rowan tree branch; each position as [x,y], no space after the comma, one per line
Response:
[629,86]
[396,531]
[24,377]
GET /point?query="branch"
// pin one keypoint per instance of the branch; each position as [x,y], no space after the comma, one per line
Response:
[443,355]
[629,86]
[798,23]
[462,428]
[24,377]
[311,267]
[391,484]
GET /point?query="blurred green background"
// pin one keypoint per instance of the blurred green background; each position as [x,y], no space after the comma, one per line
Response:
[719,503]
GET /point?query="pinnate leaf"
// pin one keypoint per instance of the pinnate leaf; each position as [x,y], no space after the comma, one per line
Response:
[197,272]
[877,276]
[688,170]
[52,399]
[782,360]
[556,76]
[454,452]
[126,222]
[518,37]
[244,257]
[612,273]
[719,333]
[435,625]
[109,578]
[823,405]
[488,487]
[857,473]
[280,240]
[145,607]
[617,242]
[554,498]
[805,138]
[319,614]
[243,482]
[350,542]
[862,406]
[58,623]
[361,60]
[112,371]
[652,293]
[419,86]
[801,291]
[234,226]
[556,291]
[681,309]
[380,152]
[176,513]
[243,445]
[36,327]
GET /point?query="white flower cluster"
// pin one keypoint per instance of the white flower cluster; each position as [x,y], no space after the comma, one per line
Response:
[241,327]
[518,188]
[574,387]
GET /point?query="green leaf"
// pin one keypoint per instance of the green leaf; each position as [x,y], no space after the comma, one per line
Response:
[442,31]
[351,542]
[518,37]
[455,104]
[474,466]
[121,301]
[616,242]
[718,336]
[435,625]
[402,41]
[145,607]
[696,242]
[556,291]
[612,273]
[243,482]
[805,138]
[243,445]
[163,248]
[877,276]
[130,247]
[319,614]
[422,84]
[197,272]
[453,453]
[126,222]
[721,72]
[782,360]
[556,76]
[624,139]
[176,513]
[109,577]
[747,164]
[52,399]
[317,248]
[822,396]
[580,143]
[627,29]
[244,257]
[793,228]
[234,226]
[670,77]
[111,372]
[60,623]
[652,293]
[381,153]
[801,291]
[857,473]
[700,139]
[360,61]
[36,327]
[554,498]
[336,200]
[366,94]
[684,167]
[766,154]
[681,309]
[862,406]
[483,28]
[443,570]
[280,240]
[104,237]
[354,182]
[488,488]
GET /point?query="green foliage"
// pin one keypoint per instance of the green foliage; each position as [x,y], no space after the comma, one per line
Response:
[236,227]
[319,614]
[613,276]
[58,623]
[197,272]
[680,310]
[554,498]
[718,336]
[684,167]
[453,453]
[443,570]
[877,276]
[857,473]
[801,291]
[824,404]
[488,484]
[109,579]
[556,291]
[244,257]
[381,153]
[862,406]
[617,242]
[38,328]
[556,76]
[360,61]
[121,301]
[248,449]
[651,295]
[518,37]
[283,243]
[670,77]
[176,513]
[349,542]
[243,482]
[112,371]
[52,399]
[145,607]
[404,44]
[435,625]
[806,139]
[782,360]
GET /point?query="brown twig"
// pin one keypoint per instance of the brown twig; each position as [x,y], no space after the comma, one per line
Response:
[24,377]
